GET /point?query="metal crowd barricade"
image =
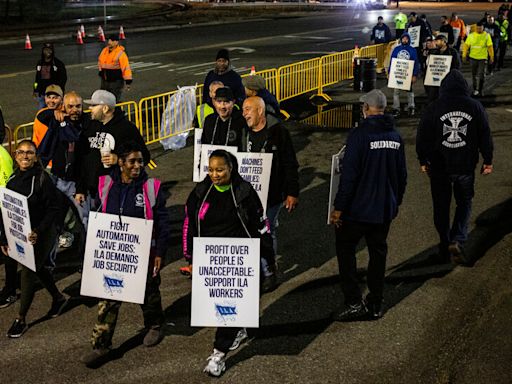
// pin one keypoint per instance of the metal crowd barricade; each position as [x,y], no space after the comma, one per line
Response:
[23,131]
[285,83]
[150,116]
[334,68]
[9,136]
[298,78]
[270,76]
[132,111]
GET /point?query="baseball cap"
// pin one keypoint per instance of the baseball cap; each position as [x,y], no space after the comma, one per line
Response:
[53,88]
[441,37]
[254,82]
[224,93]
[375,98]
[113,37]
[102,97]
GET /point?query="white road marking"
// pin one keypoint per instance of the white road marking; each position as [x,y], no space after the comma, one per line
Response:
[241,49]
[195,49]
[336,41]
[312,53]
[508,110]
[294,266]
[306,37]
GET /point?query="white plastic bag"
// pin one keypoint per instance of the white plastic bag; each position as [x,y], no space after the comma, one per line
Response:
[178,117]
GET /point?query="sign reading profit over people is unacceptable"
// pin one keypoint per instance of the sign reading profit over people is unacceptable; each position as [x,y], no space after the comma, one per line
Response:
[226,282]
[116,257]
[17,227]
[400,74]
[438,67]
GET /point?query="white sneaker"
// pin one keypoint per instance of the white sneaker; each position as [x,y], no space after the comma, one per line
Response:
[216,363]
[66,240]
[240,337]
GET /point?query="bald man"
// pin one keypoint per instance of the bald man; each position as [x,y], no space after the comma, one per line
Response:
[272,137]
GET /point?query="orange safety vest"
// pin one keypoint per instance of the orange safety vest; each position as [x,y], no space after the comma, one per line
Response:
[459,23]
[39,129]
[115,60]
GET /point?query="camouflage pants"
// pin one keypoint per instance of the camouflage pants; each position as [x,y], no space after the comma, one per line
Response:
[108,311]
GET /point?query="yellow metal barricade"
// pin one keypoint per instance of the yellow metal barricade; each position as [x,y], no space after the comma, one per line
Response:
[150,115]
[23,131]
[132,111]
[270,76]
[335,67]
[151,110]
[9,137]
[339,117]
[377,51]
[298,78]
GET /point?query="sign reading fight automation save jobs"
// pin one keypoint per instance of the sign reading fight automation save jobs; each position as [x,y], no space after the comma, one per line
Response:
[225,282]
[116,257]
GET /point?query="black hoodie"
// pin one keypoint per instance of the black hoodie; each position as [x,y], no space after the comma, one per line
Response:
[94,134]
[57,71]
[374,176]
[453,129]
[44,201]
[253,222]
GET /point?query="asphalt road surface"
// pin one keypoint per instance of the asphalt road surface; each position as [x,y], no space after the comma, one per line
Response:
[163,60]
[442,325]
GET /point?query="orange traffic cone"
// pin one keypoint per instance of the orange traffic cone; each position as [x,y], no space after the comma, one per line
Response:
[121,33]
[101,34]
[82,31]
[79,39]
[253,70]
[28,44]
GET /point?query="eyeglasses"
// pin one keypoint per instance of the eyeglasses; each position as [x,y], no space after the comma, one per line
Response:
[19,152]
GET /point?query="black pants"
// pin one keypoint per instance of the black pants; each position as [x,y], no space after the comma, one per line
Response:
[443,186]
[116,87]
[477,73]
[45,243]
[11,276]
[347,238]
[224,338]
[502,49]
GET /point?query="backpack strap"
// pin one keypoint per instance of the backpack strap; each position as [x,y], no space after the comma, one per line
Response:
[151,188]
[104,185]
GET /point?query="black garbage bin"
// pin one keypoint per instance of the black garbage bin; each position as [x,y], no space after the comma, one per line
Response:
[365,74]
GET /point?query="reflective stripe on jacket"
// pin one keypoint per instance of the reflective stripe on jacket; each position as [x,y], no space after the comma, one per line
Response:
[150,189]
[115,60]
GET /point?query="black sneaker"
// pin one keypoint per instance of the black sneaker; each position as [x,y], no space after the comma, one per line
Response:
[57,307]
[374,310]
[17,329]
[457,254]
[7,300]
[411,111]
[94,356]
[269,283]
[351,312]
[396,113]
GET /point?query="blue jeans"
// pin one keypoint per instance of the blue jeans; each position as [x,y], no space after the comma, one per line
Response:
[41,103]
[442,187]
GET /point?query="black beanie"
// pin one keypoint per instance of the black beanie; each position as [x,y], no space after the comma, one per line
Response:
[223,54]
